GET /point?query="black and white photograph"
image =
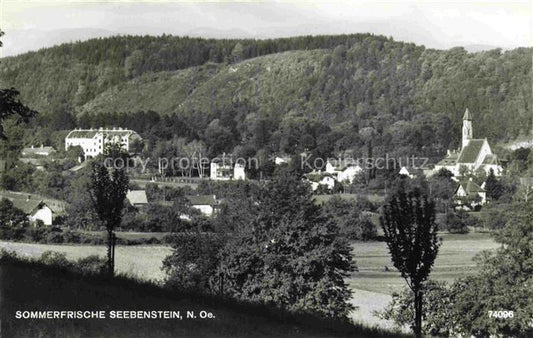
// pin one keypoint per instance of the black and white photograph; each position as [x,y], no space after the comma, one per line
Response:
[288,168]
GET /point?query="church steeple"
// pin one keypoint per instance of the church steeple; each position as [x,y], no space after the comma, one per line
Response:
[467,128]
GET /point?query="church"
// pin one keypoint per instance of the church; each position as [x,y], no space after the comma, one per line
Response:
[475,154]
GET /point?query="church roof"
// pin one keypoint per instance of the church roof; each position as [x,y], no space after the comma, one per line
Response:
[450,159]
[467,115]
[470,153]
[491,159]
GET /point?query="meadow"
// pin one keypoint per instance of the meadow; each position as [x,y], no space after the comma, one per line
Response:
[373,283]
[455,259]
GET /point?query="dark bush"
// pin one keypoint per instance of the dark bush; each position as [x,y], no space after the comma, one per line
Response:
[58,259]
[91,265]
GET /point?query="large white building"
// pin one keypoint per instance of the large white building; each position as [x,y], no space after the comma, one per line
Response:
[94,141]
[219,171]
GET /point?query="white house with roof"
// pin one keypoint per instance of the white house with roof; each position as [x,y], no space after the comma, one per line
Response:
[406,172]
[206,204]
[316,179]
[35,210]
[470,189]
[282,159]
[343,171]
[33,151]
[474,153]
[94,141]
[221,171]
[137,198]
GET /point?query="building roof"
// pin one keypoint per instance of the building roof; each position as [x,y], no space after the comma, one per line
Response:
[450,159]
[467,115]
[27,206]
[137,197]
[37,151]
[470,153]
[91,133]
[491,159]
[470,187]
[202,200]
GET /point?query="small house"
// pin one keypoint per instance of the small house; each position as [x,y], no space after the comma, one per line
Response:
[206,204]
[35,210]
[469,194]
[137,198]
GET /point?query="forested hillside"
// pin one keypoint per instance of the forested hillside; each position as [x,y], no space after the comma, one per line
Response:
[325,94]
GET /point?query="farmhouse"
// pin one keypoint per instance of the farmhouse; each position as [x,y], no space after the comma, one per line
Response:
[469,193]
[317,179]
[342,171]
[206,204]
[137,198]
[36,156]
[33,152]
[35,209]
[94,141]
[474,154]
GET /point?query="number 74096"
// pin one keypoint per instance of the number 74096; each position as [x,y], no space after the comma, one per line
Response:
[503,314]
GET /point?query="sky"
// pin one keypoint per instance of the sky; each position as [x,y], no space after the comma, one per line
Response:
[30,25]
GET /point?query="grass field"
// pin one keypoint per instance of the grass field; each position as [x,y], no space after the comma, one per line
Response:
[372,285]
[455,259]
[143,261]
[128,235]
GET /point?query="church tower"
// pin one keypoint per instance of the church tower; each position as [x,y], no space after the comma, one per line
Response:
[467,128]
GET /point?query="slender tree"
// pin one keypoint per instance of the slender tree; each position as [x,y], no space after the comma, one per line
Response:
[493,186]
[108,191]
[408,221]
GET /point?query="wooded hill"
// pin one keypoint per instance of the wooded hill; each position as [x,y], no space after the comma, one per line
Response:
[322,92]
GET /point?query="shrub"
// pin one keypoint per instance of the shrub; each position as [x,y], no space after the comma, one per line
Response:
[54,237]
[435,307]
[54,258]
[91,265]
[36,234]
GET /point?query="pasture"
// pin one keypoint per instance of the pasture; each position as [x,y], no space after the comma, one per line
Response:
[373,284]
[455,259]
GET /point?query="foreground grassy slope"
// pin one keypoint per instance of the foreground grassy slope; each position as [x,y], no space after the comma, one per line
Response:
[31,286]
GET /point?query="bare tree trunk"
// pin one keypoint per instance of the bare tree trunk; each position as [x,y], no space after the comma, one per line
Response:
[418,313]
[110,252]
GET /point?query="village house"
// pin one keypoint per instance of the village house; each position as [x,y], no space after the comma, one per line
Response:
[206,204]
[220,171]
[469,193]
[94,141]
[37,151]
[36,156]
[317,179]
[474,154]
[282,159]
[137,198]
[36,207]
[343,171]
[35,210]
